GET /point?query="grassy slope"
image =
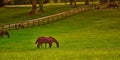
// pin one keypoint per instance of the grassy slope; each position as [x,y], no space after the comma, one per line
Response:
[93,35]
[12,15]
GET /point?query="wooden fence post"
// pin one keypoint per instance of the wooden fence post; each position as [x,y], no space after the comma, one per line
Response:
[65,14]
[2,27]
[9,26]
[28,24]
[42,21]
[38,22]
[58,17]
[71,12]
[52,18]
[33,23]
[48,20]
[55,17]
[16,26]
[62,15]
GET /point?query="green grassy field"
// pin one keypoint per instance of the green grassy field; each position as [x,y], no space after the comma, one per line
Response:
[92,35]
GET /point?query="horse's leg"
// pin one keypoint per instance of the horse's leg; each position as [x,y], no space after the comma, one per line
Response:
[7,34]
[42,45]
[50,45]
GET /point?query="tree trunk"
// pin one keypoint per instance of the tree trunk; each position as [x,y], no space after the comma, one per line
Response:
[34,7]
[75,3]
[87,2]
[71,2]
[41,6]
[1,3]
[65,2]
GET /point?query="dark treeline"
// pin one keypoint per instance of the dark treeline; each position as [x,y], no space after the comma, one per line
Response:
[1,3]
[23,2]
[19,2]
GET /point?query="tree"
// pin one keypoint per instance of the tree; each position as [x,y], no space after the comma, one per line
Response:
[34,7]
[1,3]
[86,2]
[40,6]
[73,1]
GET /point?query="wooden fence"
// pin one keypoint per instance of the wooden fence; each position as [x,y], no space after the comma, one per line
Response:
[47,19]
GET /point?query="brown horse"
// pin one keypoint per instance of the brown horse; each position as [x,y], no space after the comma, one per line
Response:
[4,32]
[48,40]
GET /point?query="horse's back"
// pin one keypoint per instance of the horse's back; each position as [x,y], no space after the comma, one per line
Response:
[43,39]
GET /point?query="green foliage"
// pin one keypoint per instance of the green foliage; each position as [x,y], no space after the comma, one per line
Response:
[92,35]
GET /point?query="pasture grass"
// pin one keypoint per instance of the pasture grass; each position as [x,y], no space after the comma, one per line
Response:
[92,35]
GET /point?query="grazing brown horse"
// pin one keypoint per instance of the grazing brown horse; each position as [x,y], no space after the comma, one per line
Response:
[48,40]
[4,32]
